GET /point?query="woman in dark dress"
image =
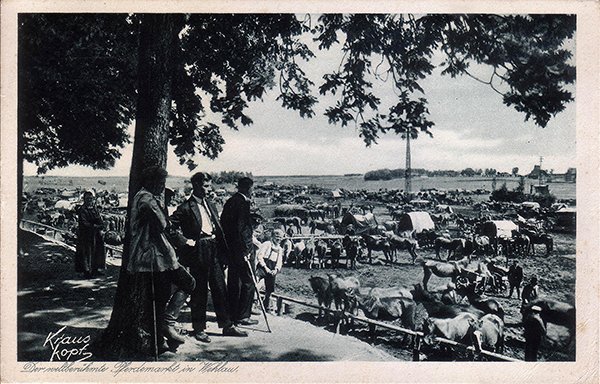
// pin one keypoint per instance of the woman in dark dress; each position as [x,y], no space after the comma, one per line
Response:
[90,258]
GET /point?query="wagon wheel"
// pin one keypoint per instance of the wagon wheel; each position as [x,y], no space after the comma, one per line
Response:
[480,287]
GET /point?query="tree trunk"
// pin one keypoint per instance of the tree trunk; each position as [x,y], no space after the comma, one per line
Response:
[131,333]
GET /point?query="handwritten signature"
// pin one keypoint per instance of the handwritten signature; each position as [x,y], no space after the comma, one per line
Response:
[65,347]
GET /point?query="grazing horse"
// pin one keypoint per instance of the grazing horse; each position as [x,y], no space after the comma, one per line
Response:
[536,238]
[399,243]
[342,290]
[443,269]
[459,328]
[489,333]
[488,306]
[381,306]
[291,222]
[454,247]
[320,286]
[326,226]
[438,309]
[377,243]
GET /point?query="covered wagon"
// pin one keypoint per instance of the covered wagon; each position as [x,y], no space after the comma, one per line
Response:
[416,222]
[362,224]
[499,228]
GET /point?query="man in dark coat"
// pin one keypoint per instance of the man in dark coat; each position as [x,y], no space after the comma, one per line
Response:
[201,246]
[237,225]
[515,277]
[534,332]
[90,256]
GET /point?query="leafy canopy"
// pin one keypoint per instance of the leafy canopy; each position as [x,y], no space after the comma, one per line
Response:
[78,77]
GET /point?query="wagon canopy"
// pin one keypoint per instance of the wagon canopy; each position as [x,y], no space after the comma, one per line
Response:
[361,223]
[499,228]
[416,221]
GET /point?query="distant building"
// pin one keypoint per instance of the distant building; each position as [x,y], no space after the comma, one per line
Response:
[571,175]
[535,173]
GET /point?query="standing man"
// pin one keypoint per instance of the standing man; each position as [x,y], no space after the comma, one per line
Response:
[237,225]
[515,277]
[201,244]
[534,332]
[152,261]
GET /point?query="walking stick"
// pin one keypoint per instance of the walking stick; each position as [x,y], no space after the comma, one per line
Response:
[154,317]
[262,306]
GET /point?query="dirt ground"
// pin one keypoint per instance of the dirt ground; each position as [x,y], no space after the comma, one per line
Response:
[556,276]
[50,295]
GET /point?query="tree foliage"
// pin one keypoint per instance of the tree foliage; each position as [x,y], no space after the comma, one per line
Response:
[79,81]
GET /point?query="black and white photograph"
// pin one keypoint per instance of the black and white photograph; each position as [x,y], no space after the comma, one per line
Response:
[300,193]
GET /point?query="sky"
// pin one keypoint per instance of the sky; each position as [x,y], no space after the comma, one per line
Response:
[473,128]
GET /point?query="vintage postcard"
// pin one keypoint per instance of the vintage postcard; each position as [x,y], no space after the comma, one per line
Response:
[259,191]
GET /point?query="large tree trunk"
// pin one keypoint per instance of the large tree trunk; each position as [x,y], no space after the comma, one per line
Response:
[131,333]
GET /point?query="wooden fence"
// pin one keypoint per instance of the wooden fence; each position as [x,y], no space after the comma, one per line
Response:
[417,334]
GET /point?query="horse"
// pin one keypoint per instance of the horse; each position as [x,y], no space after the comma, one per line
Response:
[321,288]
[555,312]
[310,253]
[292,222]
[488,306]
[326,226]
[426,238]
[296,256]
[536,238]
[381,306]
[522,242]
[342,290]
[489,333]
[454,247]
[321,251]
[374,243]
[443,269]
[336,253]
[398,243]
[351,246]
[438,309]
[459,328]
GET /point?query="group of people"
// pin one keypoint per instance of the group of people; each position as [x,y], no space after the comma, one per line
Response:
[193,250]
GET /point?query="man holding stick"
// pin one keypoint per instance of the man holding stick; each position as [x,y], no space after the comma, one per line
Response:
[237,226]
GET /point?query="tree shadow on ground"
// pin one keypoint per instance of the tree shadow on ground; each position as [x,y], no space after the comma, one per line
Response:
[51,295]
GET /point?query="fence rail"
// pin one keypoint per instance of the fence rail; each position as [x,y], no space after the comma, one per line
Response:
[419,335]
[56,235]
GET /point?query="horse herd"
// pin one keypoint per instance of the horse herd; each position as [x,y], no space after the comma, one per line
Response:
[459,315]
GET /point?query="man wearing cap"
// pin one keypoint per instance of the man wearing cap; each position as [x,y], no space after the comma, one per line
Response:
[237,226]
[201,244]
[534,331]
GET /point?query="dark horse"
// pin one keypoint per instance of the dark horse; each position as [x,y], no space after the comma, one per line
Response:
[456,247]
[450,269]
[537,238]
[375,243]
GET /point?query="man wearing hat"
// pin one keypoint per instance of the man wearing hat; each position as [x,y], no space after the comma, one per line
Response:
[237,226]
[201,244]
